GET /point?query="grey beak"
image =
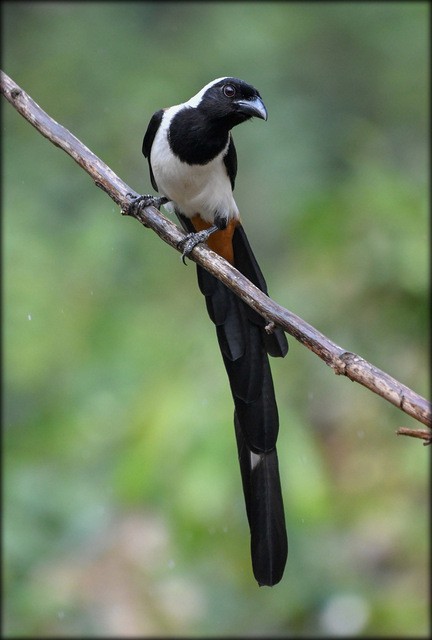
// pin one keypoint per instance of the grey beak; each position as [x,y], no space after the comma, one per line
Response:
[254,108]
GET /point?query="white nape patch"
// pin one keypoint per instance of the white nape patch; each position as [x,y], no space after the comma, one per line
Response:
[255,460]
[196,99]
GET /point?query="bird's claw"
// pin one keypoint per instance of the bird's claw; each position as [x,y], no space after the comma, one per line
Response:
[137,203]
[190,241]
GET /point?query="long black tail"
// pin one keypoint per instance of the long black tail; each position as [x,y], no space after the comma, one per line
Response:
[245,346]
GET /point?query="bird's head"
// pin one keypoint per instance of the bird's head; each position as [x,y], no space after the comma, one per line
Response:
[229,99]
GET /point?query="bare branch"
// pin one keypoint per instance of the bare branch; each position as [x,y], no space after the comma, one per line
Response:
[342,362]
[423,434]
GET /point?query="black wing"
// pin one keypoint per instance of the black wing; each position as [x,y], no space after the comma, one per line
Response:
[148,141]
[230,161]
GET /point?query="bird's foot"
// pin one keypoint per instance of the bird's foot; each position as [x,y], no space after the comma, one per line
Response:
[190,241]
[138,203]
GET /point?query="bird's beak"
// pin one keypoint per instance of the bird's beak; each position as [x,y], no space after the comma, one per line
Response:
[253,108]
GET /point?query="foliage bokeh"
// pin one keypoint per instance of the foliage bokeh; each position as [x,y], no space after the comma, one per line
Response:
[123,510]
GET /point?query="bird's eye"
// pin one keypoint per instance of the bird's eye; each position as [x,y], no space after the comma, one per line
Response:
[229,90]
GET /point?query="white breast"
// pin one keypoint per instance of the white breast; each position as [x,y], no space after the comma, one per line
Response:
[195,189]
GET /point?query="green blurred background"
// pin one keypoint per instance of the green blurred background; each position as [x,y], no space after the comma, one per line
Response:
[123,508]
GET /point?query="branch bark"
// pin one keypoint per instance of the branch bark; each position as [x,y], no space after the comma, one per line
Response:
[341,361]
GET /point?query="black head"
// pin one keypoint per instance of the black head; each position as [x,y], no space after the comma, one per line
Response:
[229,99]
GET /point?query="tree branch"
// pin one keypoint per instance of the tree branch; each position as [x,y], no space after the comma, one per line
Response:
[341,361]
[423,434]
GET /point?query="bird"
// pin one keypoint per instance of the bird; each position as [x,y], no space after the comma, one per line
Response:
[193,166]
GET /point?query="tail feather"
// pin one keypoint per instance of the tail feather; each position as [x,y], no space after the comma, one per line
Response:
[259,419]
[245,344]
[264,508]
[246,372]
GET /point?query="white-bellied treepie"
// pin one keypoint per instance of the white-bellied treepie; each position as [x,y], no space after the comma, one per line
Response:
[193,165]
